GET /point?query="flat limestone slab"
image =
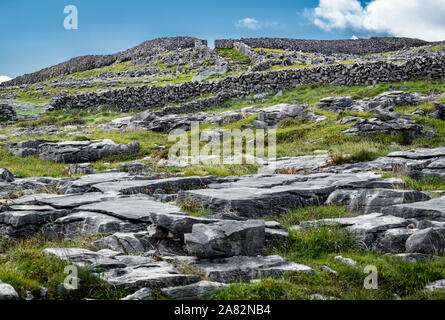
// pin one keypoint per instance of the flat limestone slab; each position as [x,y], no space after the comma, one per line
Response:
[154,275]
[369,223]
[297,164]
[149,186]
[427,210]
[92,179]
[419,153]
[245,269]
[252,202]
[87,223]
[132,208]
[261,195]
[73,201]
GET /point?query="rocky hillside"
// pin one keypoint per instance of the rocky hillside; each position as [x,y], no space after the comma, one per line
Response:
[355,180]
[89,62]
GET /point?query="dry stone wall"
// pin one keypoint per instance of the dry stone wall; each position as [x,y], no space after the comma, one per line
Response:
[145,97]
[360,46]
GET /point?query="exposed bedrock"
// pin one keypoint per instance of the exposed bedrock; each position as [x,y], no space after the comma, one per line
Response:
[255,196]
[72,151]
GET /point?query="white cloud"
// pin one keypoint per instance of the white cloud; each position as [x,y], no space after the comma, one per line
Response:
[4,79]
[422,19]
[249,23]
[354,37]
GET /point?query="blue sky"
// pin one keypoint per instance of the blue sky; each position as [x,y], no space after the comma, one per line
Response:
[33,36]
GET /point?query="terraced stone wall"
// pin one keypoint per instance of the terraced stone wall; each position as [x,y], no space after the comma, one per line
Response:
[146,97]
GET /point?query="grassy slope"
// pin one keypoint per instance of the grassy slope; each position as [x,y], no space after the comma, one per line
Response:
[295,137]
[26,269]
[318,247]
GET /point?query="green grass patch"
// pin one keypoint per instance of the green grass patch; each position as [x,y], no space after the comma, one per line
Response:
[425,184]
[76,117]
[269,50]
[193,209]
[427,107]
[437,48]
[117,67]
[279,67]
[232,54]
[315,242]
[396,280]
[30,166]
[26,269]
[295,217]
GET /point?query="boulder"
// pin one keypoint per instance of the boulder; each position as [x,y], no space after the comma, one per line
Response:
[81,168]
[388,125]
[178,225]
[393,240]
[387,100]
[226,239]
[440,108]
[427,241]
[273,115]
[336,104]
[135,168]
[6,175]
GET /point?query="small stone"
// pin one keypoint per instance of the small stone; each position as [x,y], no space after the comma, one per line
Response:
[435,286]
[346,261]
[329,270]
